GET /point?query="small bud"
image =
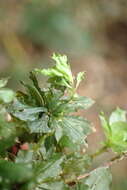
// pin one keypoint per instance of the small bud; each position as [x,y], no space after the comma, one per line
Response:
[24,146]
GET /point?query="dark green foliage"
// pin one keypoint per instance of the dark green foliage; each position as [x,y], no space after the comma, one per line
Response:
[43,143]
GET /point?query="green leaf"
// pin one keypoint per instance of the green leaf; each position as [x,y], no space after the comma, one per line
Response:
[17,105]
[117,115]
[50,169]
[24,157]
[6,95]
[34,94]
[58,185]
[118,140]
[99,179]
[80,102]
[53,100]
[34,80]
[105,125]
[67,143]
[29,113]
[51,72]
[6,128]
[75,166]
[60,74]
[15,172]
[39,125]
[81,186]
[3,82]
[7,135]
[76,128]
[80,77]
[62,66]
[115,130]
[58,133]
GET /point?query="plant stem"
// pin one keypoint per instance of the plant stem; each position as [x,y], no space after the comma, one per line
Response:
[99,152]
[113,160]
[117,158]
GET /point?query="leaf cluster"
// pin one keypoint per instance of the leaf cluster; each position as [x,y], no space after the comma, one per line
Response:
[115,130]
[43,142]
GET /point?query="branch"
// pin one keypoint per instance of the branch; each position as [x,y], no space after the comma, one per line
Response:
[99,152]
[114,160]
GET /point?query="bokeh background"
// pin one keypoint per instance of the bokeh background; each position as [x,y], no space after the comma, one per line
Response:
[93,34]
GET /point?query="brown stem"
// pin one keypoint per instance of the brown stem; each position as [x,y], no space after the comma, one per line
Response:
[108,164]
[99,152]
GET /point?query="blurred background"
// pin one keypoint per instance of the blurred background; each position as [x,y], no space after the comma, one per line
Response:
[93,34]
